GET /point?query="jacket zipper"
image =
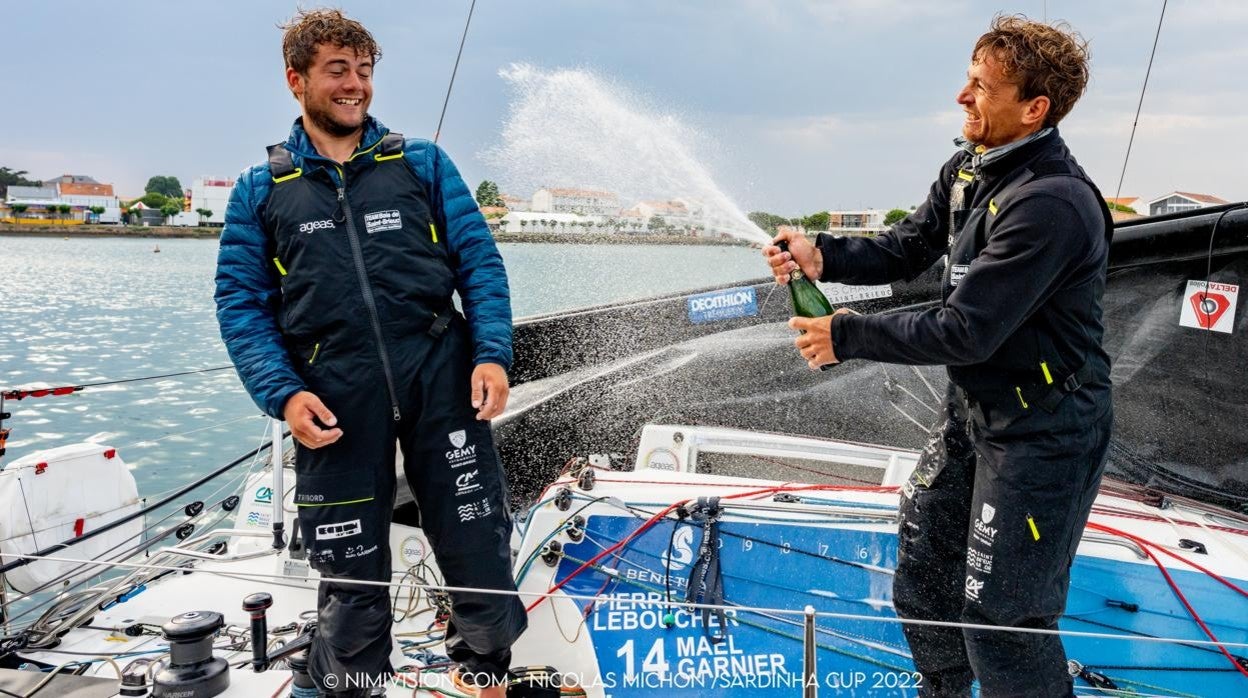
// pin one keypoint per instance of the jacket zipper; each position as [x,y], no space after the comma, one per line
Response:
[358,256]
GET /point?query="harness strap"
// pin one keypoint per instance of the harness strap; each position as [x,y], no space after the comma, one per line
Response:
[281,164]
[1069,384]
[391,144]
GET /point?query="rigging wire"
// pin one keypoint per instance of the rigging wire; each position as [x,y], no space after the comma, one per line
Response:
[21,560]
[454,70]
[146,543]
[1140,106]
[19,393]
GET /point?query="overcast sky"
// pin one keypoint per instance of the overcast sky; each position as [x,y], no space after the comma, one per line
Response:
[800,105]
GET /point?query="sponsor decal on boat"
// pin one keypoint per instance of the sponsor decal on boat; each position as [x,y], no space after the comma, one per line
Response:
[681,553]
[845,293]
[412,551]
[1209,306]
[726,304]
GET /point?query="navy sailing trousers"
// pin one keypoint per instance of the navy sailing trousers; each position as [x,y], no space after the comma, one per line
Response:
[989,527]
[346,492]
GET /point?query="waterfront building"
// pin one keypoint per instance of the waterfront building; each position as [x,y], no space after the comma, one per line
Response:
[1177,201]
[585,202]
[83,193]
[40,203]
[211,193]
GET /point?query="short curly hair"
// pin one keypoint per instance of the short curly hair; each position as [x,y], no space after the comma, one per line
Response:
[310,28]
[1042,59]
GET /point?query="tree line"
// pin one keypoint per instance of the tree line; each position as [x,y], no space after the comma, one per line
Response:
[820,220]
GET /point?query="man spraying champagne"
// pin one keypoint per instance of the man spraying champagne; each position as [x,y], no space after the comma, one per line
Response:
[994,510]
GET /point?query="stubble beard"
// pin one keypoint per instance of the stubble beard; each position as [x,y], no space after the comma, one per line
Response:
[329,124]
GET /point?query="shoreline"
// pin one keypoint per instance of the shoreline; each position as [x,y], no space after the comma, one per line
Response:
[172,232]
[105,231]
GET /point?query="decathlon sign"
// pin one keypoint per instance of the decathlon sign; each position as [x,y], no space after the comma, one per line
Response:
[722,305]
[1209,306]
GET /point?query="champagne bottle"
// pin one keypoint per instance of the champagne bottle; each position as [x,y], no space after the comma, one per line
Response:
[808,300]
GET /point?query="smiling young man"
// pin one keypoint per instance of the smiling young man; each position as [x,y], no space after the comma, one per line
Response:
[993,513]
[337,263]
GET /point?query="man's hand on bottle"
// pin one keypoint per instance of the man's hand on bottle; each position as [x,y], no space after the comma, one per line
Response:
[489,390]
[815,341]
[801,254]
[302,411]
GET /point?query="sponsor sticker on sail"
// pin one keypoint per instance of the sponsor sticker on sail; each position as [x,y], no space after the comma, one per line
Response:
[1209,306]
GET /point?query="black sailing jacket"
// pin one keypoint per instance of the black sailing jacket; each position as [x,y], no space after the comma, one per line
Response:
[1024,280]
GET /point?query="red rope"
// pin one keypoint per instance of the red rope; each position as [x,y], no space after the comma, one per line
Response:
[39,392]
[662,514]
[1145,545]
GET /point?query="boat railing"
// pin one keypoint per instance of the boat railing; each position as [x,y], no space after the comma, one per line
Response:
[1111,540]
[684,448]
[180,551]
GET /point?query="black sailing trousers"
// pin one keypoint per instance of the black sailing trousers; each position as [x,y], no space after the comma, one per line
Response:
[991,537]
[345,494]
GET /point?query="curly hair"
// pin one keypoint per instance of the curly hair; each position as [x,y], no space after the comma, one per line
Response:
[310,28]
[1042,59]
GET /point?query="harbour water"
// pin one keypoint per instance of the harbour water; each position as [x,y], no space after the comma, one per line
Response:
[92,310]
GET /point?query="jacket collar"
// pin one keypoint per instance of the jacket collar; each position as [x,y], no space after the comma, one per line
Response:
[300,145]
[1014,152]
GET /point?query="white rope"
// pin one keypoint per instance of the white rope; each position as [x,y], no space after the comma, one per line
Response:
[260,576]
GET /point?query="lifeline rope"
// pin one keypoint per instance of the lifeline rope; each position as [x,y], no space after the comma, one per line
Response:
[262,576]
[20,393]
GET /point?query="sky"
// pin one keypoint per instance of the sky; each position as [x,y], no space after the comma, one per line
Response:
[798,105]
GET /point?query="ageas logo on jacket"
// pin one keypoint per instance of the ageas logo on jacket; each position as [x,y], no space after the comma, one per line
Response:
[311,226]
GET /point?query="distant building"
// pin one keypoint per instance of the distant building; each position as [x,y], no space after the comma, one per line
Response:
[869,220]
[673,213]
[80,192]
[142,214]
[211,193]
[37,201]
[1177,201]
[585,202]
[37,196]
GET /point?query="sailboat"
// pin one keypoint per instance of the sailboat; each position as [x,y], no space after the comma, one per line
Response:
[633,466]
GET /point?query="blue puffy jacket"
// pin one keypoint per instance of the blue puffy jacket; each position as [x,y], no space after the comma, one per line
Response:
[248,293]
